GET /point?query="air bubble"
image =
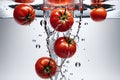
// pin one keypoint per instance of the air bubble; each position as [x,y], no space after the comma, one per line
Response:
[83,48]
[67,61]
[77,64]
[63,65]
[88,60]
[43,22]
[33,40]
[86,23]
[83,39]
[76,38]
[38,46]
[71,73]
[82,79]
[40,35]
[65,71]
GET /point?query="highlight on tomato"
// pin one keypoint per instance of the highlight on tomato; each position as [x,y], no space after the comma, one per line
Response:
[98,14]
[45,67]
[61,19]
[24,14]
[24,1]
[65,47]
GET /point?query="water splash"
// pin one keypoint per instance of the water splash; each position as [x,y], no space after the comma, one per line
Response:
[52,35]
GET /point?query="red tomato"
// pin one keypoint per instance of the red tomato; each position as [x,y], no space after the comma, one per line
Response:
[98,14]
[60,2]
[97,2]
[24,14]
[61,19]
[65,47]
[45,67]
[24,1]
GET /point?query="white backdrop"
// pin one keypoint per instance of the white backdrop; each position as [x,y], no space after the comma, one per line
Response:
[99,61]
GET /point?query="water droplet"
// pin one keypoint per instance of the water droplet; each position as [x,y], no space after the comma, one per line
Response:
[43,22]
[38,46]
[67,61]
[63,65]
[40,35]
[71,73]
[77,64]
[88,60]
[65,71]
[76,38]
[86,23]
[33,40]
[82,79]
[83,48]
[77,21]
[83,39]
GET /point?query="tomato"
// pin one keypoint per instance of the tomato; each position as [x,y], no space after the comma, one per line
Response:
[24,1]
[98,14]
[94,2]
[60,2]
[65,47]
[45,67]
[24,14]
[61,19]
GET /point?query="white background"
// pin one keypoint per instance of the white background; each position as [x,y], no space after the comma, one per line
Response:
[99,61]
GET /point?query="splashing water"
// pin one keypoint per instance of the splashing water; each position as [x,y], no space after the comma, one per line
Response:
[52,35]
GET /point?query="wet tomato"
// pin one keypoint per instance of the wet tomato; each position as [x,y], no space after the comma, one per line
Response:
[65,47]
[98,14]
[24,1]
[24,14]
[45,67]
[61,19]
[60,2]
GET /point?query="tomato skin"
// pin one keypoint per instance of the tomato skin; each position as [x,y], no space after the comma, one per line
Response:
[63,48]
[98,14]
[24,14]
[42,64]
[60,2]
[61,19]
[24,1]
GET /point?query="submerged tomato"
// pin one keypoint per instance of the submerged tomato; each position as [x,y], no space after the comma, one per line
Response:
[61,19]
[97,2]
[24,1]
[45,67]
[60,2]
[98,14]
[24,14]
[65,47]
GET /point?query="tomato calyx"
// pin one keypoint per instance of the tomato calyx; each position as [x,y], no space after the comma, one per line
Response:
[63,16]
[29,16]
[69,40]
[47,69]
